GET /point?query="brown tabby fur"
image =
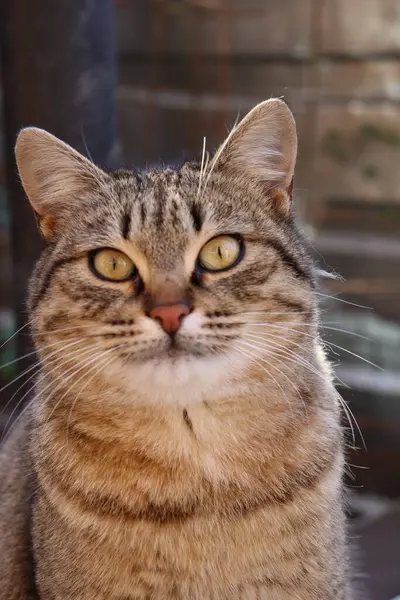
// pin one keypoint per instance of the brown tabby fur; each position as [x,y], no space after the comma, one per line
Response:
[208,471]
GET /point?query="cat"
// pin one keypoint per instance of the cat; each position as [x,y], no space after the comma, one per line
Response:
[184,441]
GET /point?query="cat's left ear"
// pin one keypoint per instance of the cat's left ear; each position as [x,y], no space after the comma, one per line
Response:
[55,177]
[261,150]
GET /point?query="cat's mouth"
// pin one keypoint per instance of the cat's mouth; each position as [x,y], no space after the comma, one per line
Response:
[172,351]
[177,349]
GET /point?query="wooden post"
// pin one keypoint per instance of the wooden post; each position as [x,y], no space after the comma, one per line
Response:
[59,73]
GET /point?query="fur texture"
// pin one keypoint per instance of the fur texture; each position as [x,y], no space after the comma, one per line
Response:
[207,467]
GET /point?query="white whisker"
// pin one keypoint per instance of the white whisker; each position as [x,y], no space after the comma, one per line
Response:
[326,342]
[104,362]
[268,313]
[11,362]
[15,333]
[349,414]
[51,331]
[254,358]
[75,371]
[14,424]
[287,329]
[217,156]
[277,369]
[364,337]
[36,369]
[344,301]
[292,356]
[84,352]
[203,154]
[353,354]
[29,369]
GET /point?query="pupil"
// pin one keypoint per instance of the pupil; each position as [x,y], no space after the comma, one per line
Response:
[220,252]
[114,264]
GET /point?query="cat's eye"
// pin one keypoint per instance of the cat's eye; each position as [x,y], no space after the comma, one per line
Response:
[112,265]
[221,253]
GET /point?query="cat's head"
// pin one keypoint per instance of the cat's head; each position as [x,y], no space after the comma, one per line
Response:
[171,281]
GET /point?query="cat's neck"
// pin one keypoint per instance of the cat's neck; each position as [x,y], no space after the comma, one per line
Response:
[216,425]
[215,455]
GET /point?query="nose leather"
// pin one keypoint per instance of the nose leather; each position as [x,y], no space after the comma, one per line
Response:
[170,315]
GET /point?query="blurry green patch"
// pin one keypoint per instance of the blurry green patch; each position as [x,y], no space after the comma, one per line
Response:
[347,149]
[4,211]
[383,135]
[7,345]
[370,171]
[334,146]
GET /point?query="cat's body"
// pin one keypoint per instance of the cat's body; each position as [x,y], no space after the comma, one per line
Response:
[204,468]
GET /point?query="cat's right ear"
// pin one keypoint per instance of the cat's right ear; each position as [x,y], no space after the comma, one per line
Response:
[55,177]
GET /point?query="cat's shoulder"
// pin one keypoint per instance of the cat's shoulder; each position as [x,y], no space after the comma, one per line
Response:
[14,450]
[16,492]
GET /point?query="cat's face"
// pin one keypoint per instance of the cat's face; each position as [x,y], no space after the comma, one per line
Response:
[168,280]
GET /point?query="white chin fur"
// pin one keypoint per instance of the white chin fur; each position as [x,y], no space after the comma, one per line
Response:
[182,381]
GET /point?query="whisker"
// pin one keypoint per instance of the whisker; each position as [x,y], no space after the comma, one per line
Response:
[93,325]
[292,356]
[25,372]
[305,362]
[217,156]
[354,354]
[364,337]
[284,313]
[320,325]
[104,363]
[203,154]
[326,342]
[34,351]
[20,401]
[29,369]
[324,325]
[62,359]
[75,369]
[344,301]
[287,329]
[84,352]
[14,423]
[279,371]
[345,407]
[84,366]
[36,397]
[253,357]
[15,333]
[349,414]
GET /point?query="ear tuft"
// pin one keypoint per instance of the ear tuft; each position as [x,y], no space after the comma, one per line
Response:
[262,148]
[55,177]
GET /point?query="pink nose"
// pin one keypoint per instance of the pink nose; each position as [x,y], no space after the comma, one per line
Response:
[170,316]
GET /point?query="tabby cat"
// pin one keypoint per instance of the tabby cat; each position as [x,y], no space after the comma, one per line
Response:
[184,441]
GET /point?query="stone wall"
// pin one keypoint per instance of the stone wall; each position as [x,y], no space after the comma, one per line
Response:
[193,65]
[6,313]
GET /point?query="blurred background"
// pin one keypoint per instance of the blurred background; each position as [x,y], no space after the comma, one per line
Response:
[133,82]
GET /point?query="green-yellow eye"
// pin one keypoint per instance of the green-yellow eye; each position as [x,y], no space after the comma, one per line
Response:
[112,265]
[220,253]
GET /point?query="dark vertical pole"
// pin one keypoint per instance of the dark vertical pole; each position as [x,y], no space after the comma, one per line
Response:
[59,73]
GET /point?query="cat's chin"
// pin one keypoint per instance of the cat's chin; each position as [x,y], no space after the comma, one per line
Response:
[177,376]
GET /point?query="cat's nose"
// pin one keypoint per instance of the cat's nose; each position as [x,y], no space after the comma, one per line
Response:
[170,316]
